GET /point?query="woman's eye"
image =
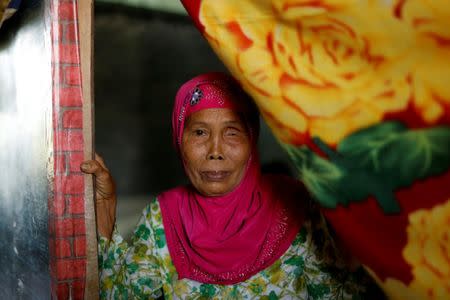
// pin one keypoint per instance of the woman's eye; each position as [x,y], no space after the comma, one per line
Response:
[199,132]
[232,132]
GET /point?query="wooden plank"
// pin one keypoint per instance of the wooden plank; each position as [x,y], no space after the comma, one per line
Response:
[86,34]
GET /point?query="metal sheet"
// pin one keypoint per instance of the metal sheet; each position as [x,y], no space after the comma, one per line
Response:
[25,151]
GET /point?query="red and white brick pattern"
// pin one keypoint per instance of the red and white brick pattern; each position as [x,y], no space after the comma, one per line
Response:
[67,229]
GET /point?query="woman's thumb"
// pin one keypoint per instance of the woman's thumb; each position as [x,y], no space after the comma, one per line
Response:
[88,167]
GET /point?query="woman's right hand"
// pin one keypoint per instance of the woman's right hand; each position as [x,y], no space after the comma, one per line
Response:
[105,195]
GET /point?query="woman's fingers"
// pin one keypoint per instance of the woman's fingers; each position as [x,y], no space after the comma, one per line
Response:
[103,179]
[104,183]
[92,167]
[97,166]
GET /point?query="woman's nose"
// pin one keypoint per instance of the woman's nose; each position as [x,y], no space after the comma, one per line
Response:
[215,149]
[214,156]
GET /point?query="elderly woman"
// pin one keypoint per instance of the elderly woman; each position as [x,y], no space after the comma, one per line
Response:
[232,233]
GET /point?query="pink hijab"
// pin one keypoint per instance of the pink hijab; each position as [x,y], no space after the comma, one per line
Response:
[227,239]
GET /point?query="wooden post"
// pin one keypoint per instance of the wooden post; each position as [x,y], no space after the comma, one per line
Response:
[86,33]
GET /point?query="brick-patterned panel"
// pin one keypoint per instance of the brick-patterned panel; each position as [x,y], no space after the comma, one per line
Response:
[67,229]
[60,163]
[69,96]
[57,207]
[62,290]
[75,205]
[63,248]
[73,268]
[73,140]
[65,11]
[75,159]
[78,289]
[72,119]
[70,33]
[72,75]
[67,54]
[79,246]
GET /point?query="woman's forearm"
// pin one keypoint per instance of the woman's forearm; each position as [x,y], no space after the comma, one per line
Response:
[106,216]
[105,195]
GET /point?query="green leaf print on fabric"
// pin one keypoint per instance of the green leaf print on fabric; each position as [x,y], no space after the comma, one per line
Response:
[233,293]
[272,270]
[142,232]
[298,262]
[299,284]
[295,261]
[301,237]
[373,162]
[317,291]
[140,250]
[133,267]
[160,238]
[378,148]
[273,296]
[154,206]
[146,282]
[258,285]
[107,263]
[207,290]
[122,292]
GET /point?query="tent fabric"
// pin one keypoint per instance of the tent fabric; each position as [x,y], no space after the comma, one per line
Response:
[358,93]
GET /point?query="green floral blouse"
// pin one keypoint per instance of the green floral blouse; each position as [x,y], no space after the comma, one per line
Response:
[309,269]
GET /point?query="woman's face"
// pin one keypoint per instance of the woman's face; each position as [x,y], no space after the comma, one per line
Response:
[215,150]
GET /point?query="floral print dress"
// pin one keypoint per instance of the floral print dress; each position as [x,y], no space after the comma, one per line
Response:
[309,269]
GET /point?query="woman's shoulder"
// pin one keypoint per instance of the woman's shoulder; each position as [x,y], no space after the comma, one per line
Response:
[151,215]
[166,200]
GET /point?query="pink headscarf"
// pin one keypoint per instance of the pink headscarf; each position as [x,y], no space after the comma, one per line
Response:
[227,239]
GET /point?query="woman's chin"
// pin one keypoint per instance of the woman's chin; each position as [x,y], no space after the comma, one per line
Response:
[214,189]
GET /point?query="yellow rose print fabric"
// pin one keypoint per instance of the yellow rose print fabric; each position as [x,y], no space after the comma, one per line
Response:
[358,93]
[329,68]
[428,253]
[428,250]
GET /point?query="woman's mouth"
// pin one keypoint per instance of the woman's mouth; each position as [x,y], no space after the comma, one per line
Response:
[215,176]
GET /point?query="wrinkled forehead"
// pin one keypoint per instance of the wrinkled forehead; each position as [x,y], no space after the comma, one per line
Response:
[216,116]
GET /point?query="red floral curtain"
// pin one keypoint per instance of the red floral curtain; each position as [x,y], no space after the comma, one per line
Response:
[358,92]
